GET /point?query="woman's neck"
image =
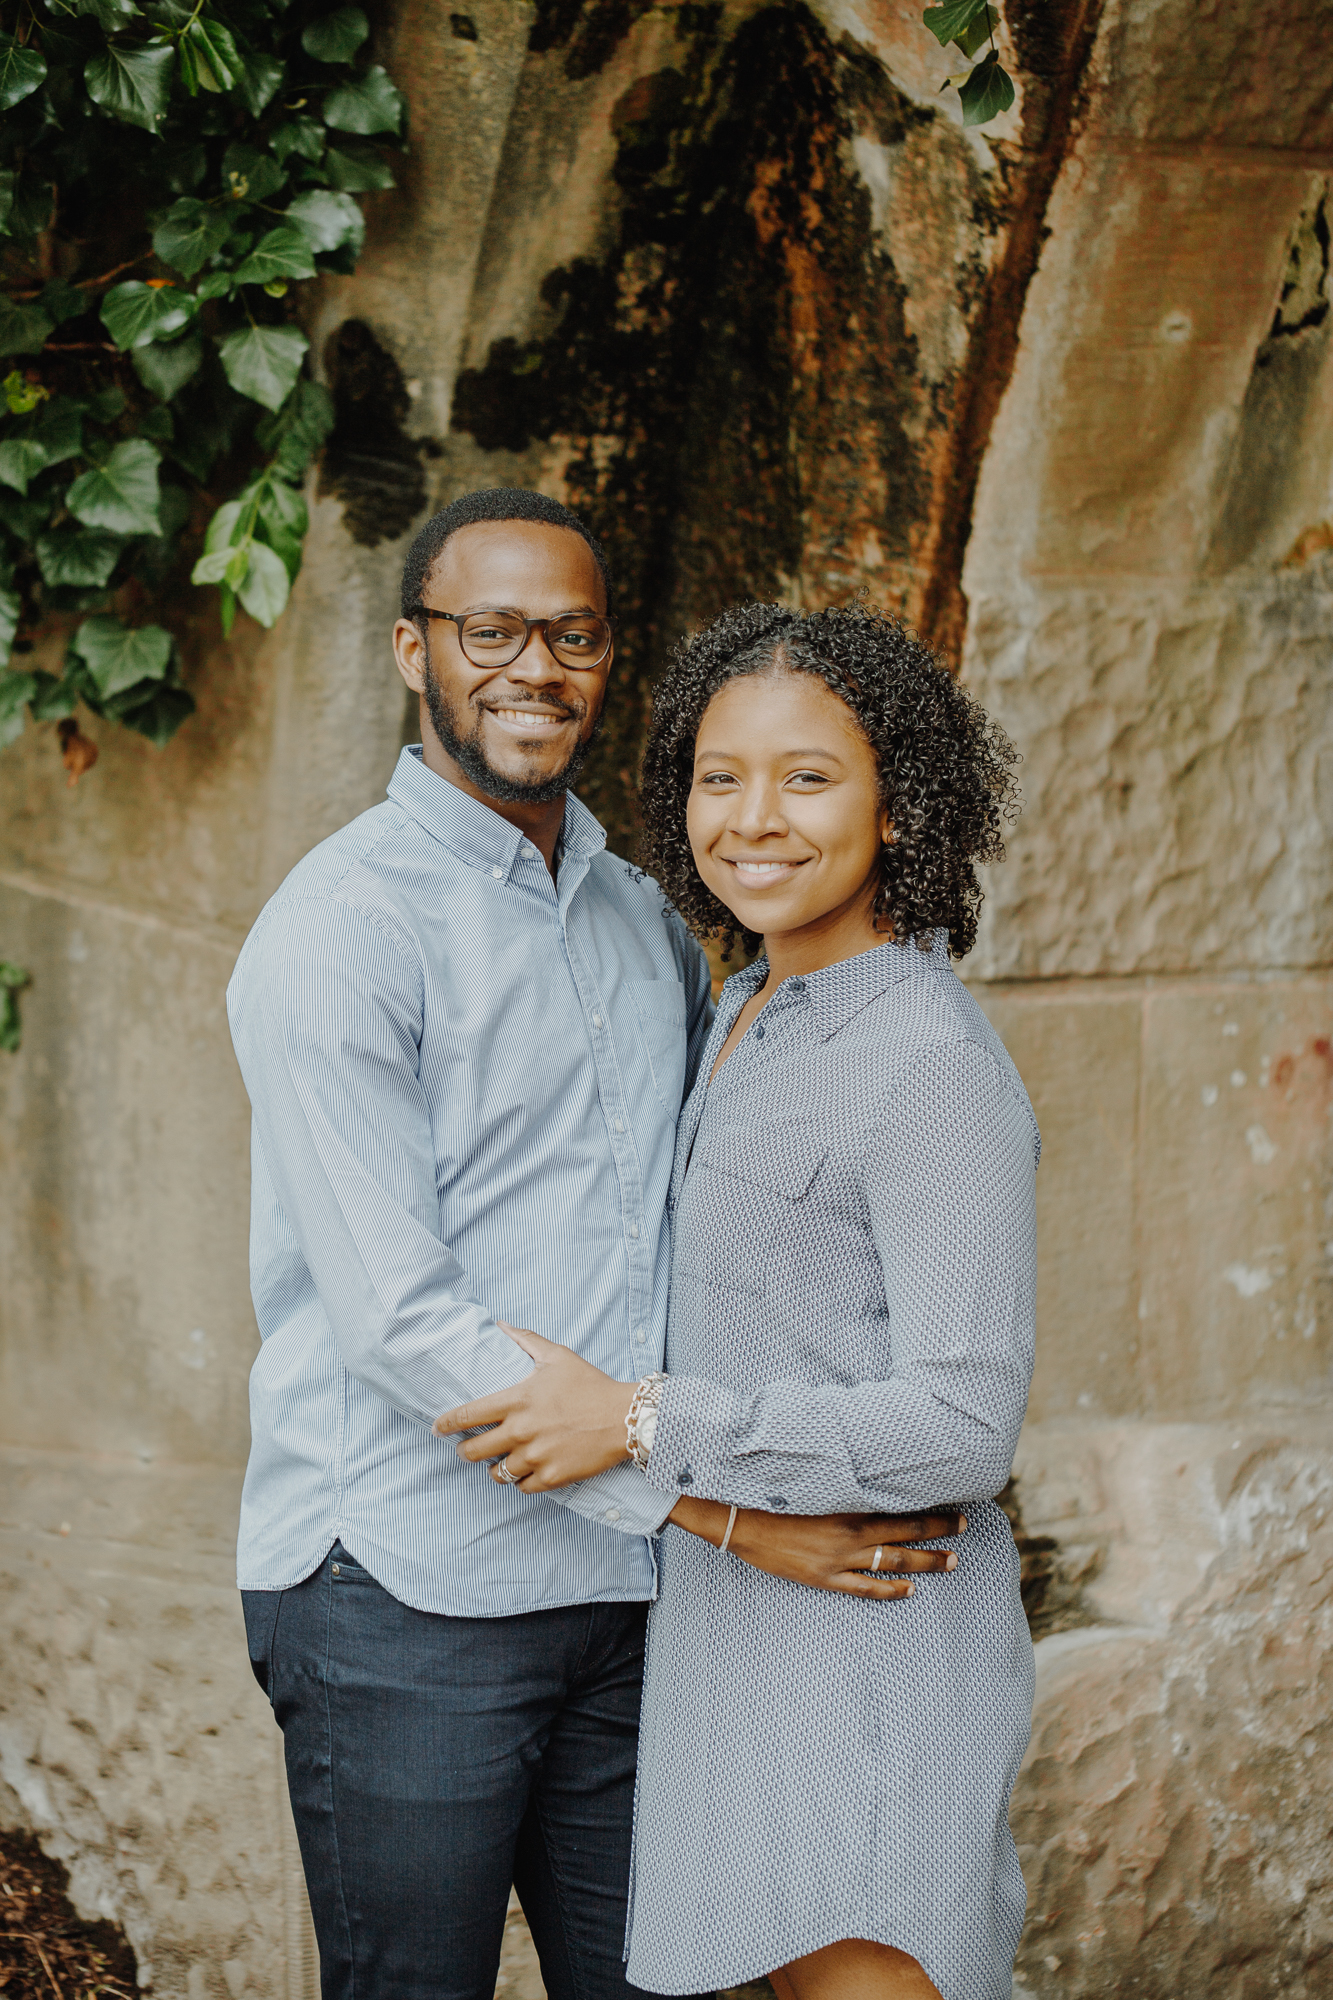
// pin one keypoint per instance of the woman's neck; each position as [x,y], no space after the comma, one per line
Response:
[827,941]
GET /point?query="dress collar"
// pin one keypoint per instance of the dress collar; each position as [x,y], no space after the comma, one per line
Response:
[473,831]
[836,992]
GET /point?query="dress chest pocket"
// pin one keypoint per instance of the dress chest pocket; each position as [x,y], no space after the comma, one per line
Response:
[659,1009]
[750,1195]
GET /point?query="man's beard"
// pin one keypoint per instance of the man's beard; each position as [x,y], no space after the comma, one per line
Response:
[470,758]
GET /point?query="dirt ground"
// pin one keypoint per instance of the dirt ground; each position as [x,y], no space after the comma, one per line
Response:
[46,1952]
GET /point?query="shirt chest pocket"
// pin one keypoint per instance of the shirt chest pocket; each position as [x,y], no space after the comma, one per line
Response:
[659,1012]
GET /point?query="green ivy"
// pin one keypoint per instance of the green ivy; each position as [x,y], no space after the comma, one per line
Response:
[12,979]
[984,89]
[169,172]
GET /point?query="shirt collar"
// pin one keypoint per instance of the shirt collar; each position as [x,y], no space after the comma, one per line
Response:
[836,992]
[473,831]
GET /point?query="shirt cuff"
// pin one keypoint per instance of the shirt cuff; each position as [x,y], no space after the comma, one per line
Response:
[620,1498]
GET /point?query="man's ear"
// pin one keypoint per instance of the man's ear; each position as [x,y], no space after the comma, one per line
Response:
[409,651]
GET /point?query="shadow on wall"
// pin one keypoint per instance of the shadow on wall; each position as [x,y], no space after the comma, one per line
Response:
[734,383]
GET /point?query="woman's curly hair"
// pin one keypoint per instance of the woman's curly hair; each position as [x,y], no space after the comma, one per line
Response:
[945,770]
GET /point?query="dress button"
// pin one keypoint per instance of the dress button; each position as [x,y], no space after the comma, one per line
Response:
[620,1124]
[529,854]
[499,874]
[759,1032]
[597,1020]
[613,1513]
[641,1336]
[634,1229]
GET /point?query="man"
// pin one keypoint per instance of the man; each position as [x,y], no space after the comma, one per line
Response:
[465,1030]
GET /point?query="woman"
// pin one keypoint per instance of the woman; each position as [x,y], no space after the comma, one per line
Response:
[824,1779]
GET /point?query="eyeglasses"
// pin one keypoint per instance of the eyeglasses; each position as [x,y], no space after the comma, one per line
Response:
[577,639]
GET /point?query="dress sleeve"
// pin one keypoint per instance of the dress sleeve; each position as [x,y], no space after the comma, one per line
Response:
[948,1174]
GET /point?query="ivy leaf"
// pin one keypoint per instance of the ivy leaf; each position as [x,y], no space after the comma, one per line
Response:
[298,430]
[117,657]
[57,434]
[133,84]
[189,233]
[11,610]
[222,528]
[357,169]
[24,329]
[213,567]
[22,70]
[328,220]
[110,14]
[286,519]
[216,63]
[61,301]
[159,717]
[169,366]
[987,92]
[371,104]
[21,459]
[258,81]
[15,690]
[54,699]
[301,136]
[946,23]
[978,31]
[248,175]
[267,586]
[337,37]
[284,253]
[122,494]
[263,362]
[136,314]
[78,558]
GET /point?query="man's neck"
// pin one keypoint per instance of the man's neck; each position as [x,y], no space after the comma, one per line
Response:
[541,824]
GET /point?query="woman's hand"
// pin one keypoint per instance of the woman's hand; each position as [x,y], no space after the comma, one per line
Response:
[562,1423]
[830,1551]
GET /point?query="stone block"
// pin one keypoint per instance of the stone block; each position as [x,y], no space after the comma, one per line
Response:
[1076,1046]
[1234,1195]
[126,1315]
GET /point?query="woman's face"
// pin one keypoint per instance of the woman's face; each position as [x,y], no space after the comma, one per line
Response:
[784,815]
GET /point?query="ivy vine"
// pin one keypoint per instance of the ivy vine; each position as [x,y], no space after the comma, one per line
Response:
[984,88]
[170,172]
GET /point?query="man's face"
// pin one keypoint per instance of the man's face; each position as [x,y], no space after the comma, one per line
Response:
[517,733]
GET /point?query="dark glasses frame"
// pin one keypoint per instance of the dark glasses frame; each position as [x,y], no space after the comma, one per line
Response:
[530,625]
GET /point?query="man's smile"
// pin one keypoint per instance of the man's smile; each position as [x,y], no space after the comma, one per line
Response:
[529,721]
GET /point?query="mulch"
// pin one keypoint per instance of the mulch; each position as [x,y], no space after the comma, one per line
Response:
[46,1951]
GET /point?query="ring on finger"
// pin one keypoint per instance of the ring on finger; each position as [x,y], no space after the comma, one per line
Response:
[879,1557]
[502,1471]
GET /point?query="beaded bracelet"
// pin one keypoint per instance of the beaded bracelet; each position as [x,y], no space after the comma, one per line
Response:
[641,1418]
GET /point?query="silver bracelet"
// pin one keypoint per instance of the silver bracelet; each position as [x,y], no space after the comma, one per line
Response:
[641,1418]
[731,1522]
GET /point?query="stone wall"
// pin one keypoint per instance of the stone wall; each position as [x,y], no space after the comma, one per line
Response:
[734,280]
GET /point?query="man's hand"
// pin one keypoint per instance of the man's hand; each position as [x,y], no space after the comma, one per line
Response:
[830,1551]
[563,1423]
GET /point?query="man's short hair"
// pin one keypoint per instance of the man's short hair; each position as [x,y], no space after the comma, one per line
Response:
[490,503]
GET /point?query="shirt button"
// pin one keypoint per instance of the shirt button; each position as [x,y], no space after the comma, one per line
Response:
[499,874]
[597,1020]
[613,1513]
[641,1336]
[529,854]
[634,1229]
[759,1032]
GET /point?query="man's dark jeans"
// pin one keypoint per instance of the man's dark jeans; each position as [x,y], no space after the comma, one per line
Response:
[432,1761]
